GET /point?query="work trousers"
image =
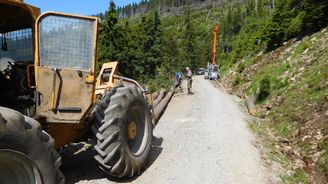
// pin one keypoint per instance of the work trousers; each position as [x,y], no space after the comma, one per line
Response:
[189,85]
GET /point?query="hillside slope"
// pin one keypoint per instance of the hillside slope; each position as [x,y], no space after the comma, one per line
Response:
[170,7]
[290,90]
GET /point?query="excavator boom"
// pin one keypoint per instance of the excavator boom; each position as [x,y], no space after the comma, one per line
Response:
[216,29]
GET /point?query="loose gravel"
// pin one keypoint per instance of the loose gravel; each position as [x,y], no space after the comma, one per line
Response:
[201,138]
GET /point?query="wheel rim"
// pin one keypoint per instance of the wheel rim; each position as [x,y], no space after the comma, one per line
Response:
[132,130]
[137,129]
[15,167]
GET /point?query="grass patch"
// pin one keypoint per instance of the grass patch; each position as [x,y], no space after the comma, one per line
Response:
[301,48]
[284,128]
[323,160]
[261,128]
[277,84]
[270,75]
[237,80]
[241,67]
[299,176]
[305,147]
[314,79]
[246,63]
[292,102]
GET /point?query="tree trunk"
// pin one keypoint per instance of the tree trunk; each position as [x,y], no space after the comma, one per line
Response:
[159,109]
[159,98]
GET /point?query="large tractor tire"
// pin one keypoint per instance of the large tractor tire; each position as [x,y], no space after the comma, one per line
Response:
[124,136]
[27,155]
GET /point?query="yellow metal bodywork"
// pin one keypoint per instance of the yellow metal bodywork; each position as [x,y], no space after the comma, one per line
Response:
[101,85]
[29,69]
[34,11]
[68,88]
[77,89]
[16,15]
[18,20]
[64,133]
[64,128]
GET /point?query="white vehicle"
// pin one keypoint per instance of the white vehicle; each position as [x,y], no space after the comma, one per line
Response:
[212,72]
[200,71]
[206,74]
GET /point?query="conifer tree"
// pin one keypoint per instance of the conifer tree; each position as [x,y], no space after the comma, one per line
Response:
[171,54]
[188,42]
[152,40]
[111,36]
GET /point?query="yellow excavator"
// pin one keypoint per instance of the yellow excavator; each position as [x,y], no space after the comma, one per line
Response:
[50,96]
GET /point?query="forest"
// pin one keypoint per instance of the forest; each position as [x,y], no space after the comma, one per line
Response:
[261,45]
[151,47]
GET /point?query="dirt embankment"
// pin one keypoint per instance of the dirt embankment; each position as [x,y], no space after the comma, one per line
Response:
[294,110]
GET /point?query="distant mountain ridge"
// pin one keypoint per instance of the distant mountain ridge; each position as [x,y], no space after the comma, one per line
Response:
[169,7]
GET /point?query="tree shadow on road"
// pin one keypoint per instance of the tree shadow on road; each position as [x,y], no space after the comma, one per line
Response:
[79,164]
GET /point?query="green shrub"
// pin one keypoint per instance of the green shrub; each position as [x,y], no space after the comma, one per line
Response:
[241,67]
[296,25]
[264,89]
[237,81]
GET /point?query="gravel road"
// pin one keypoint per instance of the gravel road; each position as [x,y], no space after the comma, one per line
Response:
[201,138]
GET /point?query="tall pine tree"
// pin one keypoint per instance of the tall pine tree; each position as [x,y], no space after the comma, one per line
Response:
[111,36]
[188,42]
[152,40]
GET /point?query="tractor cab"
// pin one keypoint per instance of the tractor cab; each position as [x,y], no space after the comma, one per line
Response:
[17,55]
[47,62]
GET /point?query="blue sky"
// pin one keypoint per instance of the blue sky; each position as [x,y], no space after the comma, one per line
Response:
[83,7]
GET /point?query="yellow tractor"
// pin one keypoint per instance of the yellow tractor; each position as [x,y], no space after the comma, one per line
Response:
[50,96]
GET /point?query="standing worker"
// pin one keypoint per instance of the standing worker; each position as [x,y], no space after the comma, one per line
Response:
[189,80]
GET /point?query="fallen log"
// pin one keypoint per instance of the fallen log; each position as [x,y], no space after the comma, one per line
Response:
[159,98]
[159,109]
[155,95]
